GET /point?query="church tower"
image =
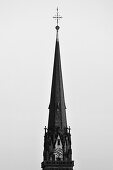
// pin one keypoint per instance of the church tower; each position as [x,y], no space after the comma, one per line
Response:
[57,154]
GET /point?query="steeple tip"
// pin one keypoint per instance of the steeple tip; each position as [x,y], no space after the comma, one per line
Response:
[57,17]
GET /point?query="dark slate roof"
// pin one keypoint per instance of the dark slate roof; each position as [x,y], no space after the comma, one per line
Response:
[57,108]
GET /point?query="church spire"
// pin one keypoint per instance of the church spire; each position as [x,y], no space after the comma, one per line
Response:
[57,112]
[57,154]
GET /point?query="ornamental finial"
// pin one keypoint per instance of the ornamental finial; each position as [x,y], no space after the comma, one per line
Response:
[57,17]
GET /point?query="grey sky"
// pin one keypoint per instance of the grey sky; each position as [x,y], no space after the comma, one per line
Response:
[27,42]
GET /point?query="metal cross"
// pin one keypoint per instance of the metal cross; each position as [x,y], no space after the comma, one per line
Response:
[57,17]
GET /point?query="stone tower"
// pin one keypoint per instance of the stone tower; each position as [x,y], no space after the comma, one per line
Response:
[57,154]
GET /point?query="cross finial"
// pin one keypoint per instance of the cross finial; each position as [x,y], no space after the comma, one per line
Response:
[57,17]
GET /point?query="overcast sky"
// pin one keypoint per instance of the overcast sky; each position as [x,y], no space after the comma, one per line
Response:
[27,43]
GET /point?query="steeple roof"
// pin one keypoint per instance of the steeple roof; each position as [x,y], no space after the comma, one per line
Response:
[57,108]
